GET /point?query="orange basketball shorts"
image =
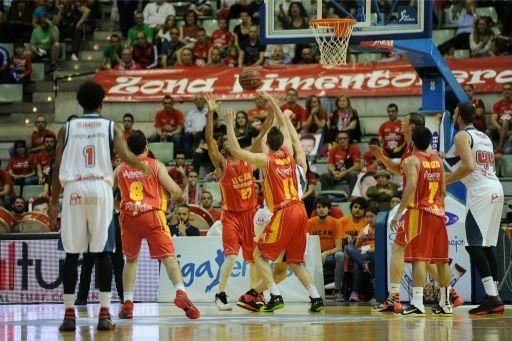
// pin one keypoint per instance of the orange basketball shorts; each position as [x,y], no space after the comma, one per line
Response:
[426,237]
[238,230]
[151,226]
[286,231]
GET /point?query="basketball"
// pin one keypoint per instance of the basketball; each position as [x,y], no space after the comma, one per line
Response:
[250,79]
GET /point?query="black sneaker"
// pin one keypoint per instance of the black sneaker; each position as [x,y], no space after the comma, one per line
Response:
[445,310]
[276,302]
[412,311]
[490,305]
[317,305]
[69,322]
[104,321]
[221,300]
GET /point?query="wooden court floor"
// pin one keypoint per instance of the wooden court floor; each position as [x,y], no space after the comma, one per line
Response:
[154,321]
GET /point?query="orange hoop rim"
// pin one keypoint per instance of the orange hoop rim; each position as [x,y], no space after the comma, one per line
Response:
[342,28]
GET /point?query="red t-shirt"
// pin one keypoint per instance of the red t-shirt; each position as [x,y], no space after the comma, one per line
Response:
[479,121]
[22,64]
[127,134]
[504,109]
[258,112]
[6,179]
[343,158]
[45,160]
[38,137]
[230,61]
[177,176]
[21,165]
[201,52]
[221,38]
[391,135]
[300,112]
[168,121]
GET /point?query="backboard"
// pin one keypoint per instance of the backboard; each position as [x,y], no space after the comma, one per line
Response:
[398,19]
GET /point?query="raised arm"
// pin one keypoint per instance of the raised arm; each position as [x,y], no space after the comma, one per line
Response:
[300,156]
[125,154]
[256,145]
[391,166]
[168,183]
[213,149]
[281,121]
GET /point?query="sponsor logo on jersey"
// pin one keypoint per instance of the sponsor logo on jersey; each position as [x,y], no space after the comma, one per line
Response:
[451,218]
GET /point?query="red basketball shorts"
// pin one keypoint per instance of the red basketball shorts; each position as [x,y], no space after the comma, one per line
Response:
[426,237]
[286,231]
[238,230]
[151,226]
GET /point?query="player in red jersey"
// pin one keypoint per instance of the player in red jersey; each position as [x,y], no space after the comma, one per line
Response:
[239,201]
[410,122]
[424,222]
[285,235]
[143,205]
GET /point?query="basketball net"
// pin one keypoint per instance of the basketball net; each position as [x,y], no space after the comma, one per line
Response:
[332,36]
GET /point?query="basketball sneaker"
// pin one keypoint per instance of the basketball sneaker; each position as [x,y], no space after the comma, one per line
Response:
[69,322]
[221,300]
[445,310]
[183,302]
[276,302]
[490,305]
[392,304]
[104,321]
[412,311]
[317,305]
[455,299]
[251,301]
[126,311]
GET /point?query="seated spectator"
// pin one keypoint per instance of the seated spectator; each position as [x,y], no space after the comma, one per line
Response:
[183,227]
[334,212]
[309,194]
[128,121]
[480,38]
[163,35]
[371,164]
[194,124]
[19,207]
[200,7]
[480,121]
[170,48]
[127,62]
[169,124]
[281,13]
[144,53]
[465,27]
[296,18]
[201,47]
[192,190]
[260,111]
[502,116]
[44,160]
[21,166]
[72,18]
[278,57]
[361,252]
[499,47]
[379,196]
[315,118]
[390,135]
[343,163]
[185,58]
[394,201]
[299,112]
[48,10]
[112,54]
[21,64]
[252,52]
[207,204]
[356,221]
[156,13]
[304,54]
[7,193]
[221,37]
[41,205]
[344,118]
[38,135]
[232,57]
[241,30]
[5,62]
[244,131]
[179,172]
[215,58]
[188,32]
[45,41]
[140,26]
[331,235]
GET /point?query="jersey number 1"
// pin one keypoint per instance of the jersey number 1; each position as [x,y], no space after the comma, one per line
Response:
[90,157]
[290,192]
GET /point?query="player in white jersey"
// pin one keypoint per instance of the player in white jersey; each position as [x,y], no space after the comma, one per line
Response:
[471,160]
[83,168]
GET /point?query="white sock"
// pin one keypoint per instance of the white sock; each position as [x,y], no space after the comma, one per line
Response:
[444,298]
[313,293]
[417,297]
[489,286]
[69,300]
[180,286]
[273,289]
[105,298]
[128,296]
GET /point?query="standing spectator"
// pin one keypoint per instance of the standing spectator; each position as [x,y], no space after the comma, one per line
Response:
[169,124]
[343,163]
[21,64]
[480,121]
[183,227]
[7,193]
[179,172]
[5,62]
[215,58]
[112,54]
[128,121]
[315,117]
[127,62]
[21,166]
[38,135]
[480,38]
[242,30]
[379,196]
[344,118]
[244,131]
[261,110]
[73,15]
[45,41]
[296,18]
[126,9]
[144,53]
[390,135]
[299,113]
[221,37]
[44,160]
[170,48]
[252,52]
[200,7]
[502,114]
[207,204]
[188,32]
[194,125]
[140,26]
[201,47]
[155,13]
[278,57]
[192,190]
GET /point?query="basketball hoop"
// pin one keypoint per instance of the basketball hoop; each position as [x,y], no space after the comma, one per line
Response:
[332,36]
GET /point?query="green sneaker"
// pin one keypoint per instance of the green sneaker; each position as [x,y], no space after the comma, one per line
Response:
[275,302]
[317,305]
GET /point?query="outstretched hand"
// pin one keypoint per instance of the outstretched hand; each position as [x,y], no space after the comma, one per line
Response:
[288,114]
[229,115]
[211,101]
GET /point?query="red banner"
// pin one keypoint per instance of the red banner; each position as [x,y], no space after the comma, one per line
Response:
[354,80]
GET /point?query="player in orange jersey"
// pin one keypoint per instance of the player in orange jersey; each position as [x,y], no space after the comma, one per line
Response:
[239,201]
[285,235]
[143,205]
[424,222]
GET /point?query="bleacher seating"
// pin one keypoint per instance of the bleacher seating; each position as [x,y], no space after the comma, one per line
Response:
[487,12]
[163,151]
[440,36]
[32,191]
[11,93]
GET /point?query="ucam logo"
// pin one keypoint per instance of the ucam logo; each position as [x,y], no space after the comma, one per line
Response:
[407,15]
[451,218]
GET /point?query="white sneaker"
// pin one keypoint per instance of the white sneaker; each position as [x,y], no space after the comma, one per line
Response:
[222,302]
[74,57]
[41,52]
